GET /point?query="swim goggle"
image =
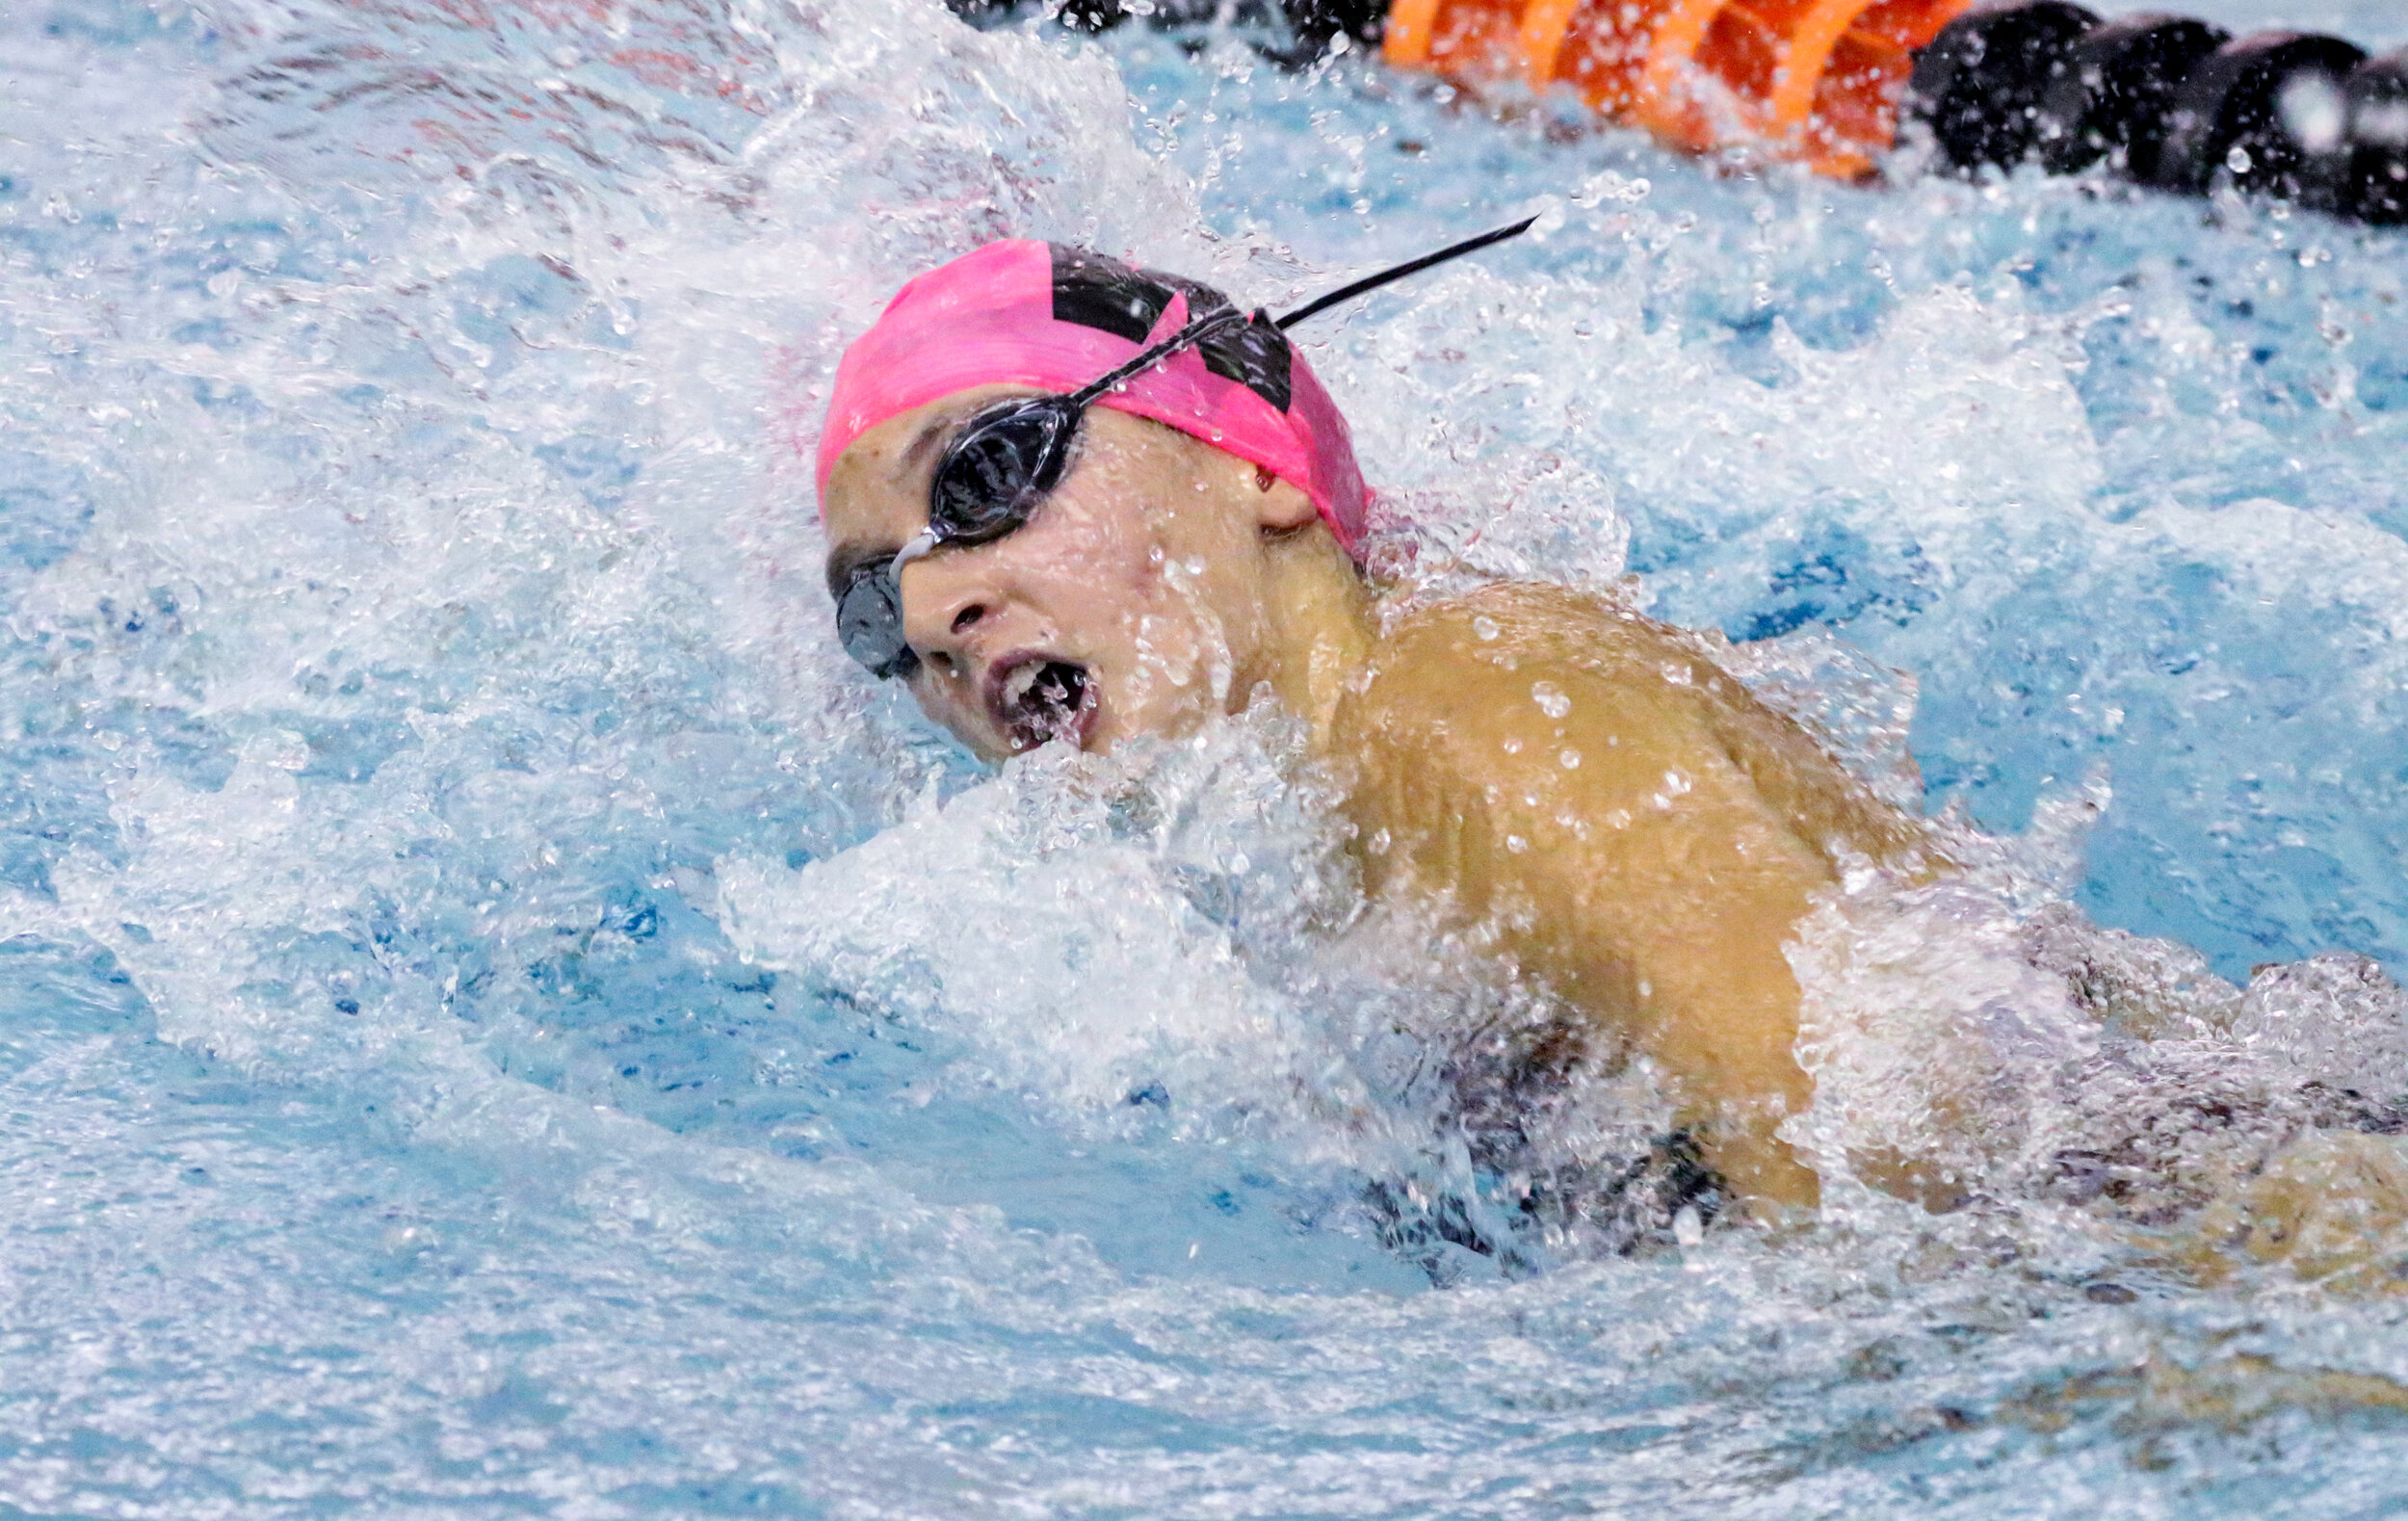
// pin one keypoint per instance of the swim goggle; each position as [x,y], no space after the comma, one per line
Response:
[1009,457]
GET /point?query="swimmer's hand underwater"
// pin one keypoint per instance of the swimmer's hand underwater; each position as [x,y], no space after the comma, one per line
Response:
[1582,780]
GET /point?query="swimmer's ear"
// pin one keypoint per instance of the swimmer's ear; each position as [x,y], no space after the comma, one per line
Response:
[1280,507]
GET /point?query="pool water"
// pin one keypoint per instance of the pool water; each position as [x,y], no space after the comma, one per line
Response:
[502,1018]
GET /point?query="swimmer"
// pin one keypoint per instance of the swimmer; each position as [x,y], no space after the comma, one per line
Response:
[1046,558]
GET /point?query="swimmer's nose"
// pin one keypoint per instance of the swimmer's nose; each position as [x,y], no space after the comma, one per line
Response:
[949,610]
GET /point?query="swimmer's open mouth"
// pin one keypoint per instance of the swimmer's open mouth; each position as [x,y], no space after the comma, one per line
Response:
[1036,699]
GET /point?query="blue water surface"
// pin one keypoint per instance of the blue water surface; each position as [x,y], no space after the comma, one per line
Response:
[414,641]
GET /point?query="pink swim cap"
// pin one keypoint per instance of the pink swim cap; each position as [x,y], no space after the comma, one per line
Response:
[1042,315]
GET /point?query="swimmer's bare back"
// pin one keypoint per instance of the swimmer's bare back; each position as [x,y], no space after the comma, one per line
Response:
[1641,832]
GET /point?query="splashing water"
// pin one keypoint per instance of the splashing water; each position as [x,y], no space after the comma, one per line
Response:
[502,1017]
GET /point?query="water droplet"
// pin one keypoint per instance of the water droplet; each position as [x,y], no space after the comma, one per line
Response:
[1551,699]
[1484,626]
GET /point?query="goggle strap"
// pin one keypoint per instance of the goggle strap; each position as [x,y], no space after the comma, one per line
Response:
[1372,282]
[1197,331]
[1204,327]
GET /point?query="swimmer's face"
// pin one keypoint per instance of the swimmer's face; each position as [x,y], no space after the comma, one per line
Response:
[1133,602]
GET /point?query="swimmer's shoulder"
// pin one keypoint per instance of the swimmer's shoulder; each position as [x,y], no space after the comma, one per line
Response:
[1447,662]
[1466,708]
[1523,668]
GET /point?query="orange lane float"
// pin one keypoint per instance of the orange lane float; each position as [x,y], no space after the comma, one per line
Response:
[1816,81]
